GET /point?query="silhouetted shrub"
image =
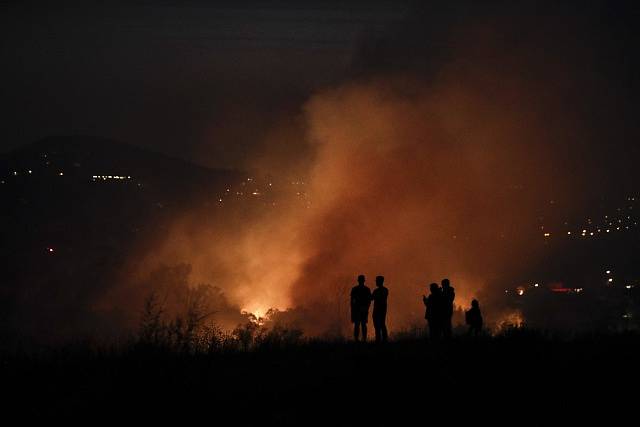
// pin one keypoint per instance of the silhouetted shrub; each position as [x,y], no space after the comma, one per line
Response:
[279,336]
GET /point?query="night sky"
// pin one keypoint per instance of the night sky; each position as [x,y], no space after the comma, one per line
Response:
[206,81]
[174,76]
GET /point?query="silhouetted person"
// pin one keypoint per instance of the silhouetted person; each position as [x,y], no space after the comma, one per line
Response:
[448,295]
[360,301]
[433,313]
[473,318]
[379,295]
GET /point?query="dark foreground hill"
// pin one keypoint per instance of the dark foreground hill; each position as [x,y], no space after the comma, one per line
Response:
[515,377]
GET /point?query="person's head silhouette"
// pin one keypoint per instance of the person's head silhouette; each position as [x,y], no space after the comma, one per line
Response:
[361,279]
[445,283]
[379,281]
[475,303]
[434,288]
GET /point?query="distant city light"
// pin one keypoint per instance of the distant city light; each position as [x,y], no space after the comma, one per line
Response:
[545,234]
[610,280]
[109,177]
[50,250]
[536,284]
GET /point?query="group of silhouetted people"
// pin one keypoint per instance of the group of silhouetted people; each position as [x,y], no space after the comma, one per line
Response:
[361,297]
[439,310]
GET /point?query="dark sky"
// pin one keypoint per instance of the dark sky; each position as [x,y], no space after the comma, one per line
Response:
[172,75]
[206,80]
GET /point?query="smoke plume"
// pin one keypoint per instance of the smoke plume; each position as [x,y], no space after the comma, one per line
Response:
[409,174]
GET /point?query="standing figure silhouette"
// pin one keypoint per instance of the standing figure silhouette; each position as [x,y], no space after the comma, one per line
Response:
[473,318]
[380,294]
[360,302]
[448,296]
[433,312]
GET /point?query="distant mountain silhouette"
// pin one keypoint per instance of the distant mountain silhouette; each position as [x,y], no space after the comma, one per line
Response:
[86,156]
[71,178]
[66,231]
